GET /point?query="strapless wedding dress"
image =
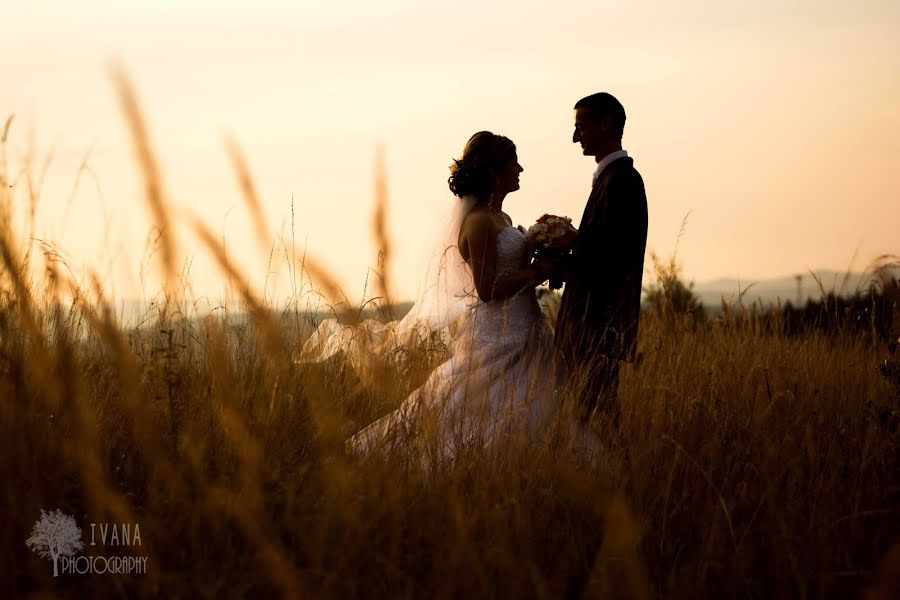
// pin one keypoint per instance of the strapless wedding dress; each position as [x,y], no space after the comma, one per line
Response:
[496,384]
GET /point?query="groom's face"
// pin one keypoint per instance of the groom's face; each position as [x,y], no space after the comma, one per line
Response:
[591,132]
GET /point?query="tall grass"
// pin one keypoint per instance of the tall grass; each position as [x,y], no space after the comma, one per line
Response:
[747,463]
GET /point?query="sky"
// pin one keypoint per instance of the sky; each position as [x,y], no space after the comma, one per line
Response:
[773,127]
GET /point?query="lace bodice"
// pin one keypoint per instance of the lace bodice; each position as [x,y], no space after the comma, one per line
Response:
[512,251]
[509,319]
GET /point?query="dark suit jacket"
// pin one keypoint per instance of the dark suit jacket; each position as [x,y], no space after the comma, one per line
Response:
[601,303]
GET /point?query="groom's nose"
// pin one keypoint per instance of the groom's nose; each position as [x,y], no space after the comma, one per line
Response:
[575,137]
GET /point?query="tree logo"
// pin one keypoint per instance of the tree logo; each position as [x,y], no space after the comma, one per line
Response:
[54,535]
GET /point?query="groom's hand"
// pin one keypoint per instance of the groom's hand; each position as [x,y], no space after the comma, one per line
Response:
[544,269]
[562,272]
[552,269]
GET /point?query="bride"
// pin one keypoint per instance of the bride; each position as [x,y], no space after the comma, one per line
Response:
[497,382]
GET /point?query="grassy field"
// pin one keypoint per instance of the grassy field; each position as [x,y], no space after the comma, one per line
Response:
[748,463]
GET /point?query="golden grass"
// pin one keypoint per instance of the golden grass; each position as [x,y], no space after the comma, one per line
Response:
[747,463]
[382,233]
[153,184]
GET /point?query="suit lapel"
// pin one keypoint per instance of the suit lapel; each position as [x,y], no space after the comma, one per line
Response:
[597,199]
[589,206]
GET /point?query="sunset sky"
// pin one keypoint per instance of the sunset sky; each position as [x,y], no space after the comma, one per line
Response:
[776,124]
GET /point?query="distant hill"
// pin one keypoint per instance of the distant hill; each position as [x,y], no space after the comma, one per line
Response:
[135,312]
[768,291]
[781,289]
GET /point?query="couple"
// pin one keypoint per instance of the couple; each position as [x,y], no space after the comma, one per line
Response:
[507,366]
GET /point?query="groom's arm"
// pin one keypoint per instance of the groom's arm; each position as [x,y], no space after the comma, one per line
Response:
[618,262]
[611,245]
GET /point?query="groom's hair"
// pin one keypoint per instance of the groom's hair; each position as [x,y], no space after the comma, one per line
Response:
[604,105]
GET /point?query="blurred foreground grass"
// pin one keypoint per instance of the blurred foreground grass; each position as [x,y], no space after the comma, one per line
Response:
[745,463]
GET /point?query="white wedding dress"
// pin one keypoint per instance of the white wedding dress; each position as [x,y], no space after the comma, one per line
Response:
[496,384]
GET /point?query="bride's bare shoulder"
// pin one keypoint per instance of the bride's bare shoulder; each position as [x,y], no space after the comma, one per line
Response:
[477,218]
[478,224]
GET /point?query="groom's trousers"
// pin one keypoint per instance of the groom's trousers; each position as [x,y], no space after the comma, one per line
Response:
[594,382]
[601,394]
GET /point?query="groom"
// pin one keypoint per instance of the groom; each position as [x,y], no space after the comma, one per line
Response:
[598,319]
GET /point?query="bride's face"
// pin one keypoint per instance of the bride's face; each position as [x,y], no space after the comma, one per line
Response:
[508,176]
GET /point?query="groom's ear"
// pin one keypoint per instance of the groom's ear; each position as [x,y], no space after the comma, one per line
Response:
[605,122]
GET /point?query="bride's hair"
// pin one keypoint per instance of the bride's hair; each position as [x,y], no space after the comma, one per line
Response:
[484,154]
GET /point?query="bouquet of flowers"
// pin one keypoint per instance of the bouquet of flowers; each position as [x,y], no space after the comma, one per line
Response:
[551,236]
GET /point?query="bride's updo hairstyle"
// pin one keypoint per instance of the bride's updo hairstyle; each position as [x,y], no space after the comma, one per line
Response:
[484,154]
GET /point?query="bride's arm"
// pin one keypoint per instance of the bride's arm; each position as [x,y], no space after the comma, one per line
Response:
[479,237]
